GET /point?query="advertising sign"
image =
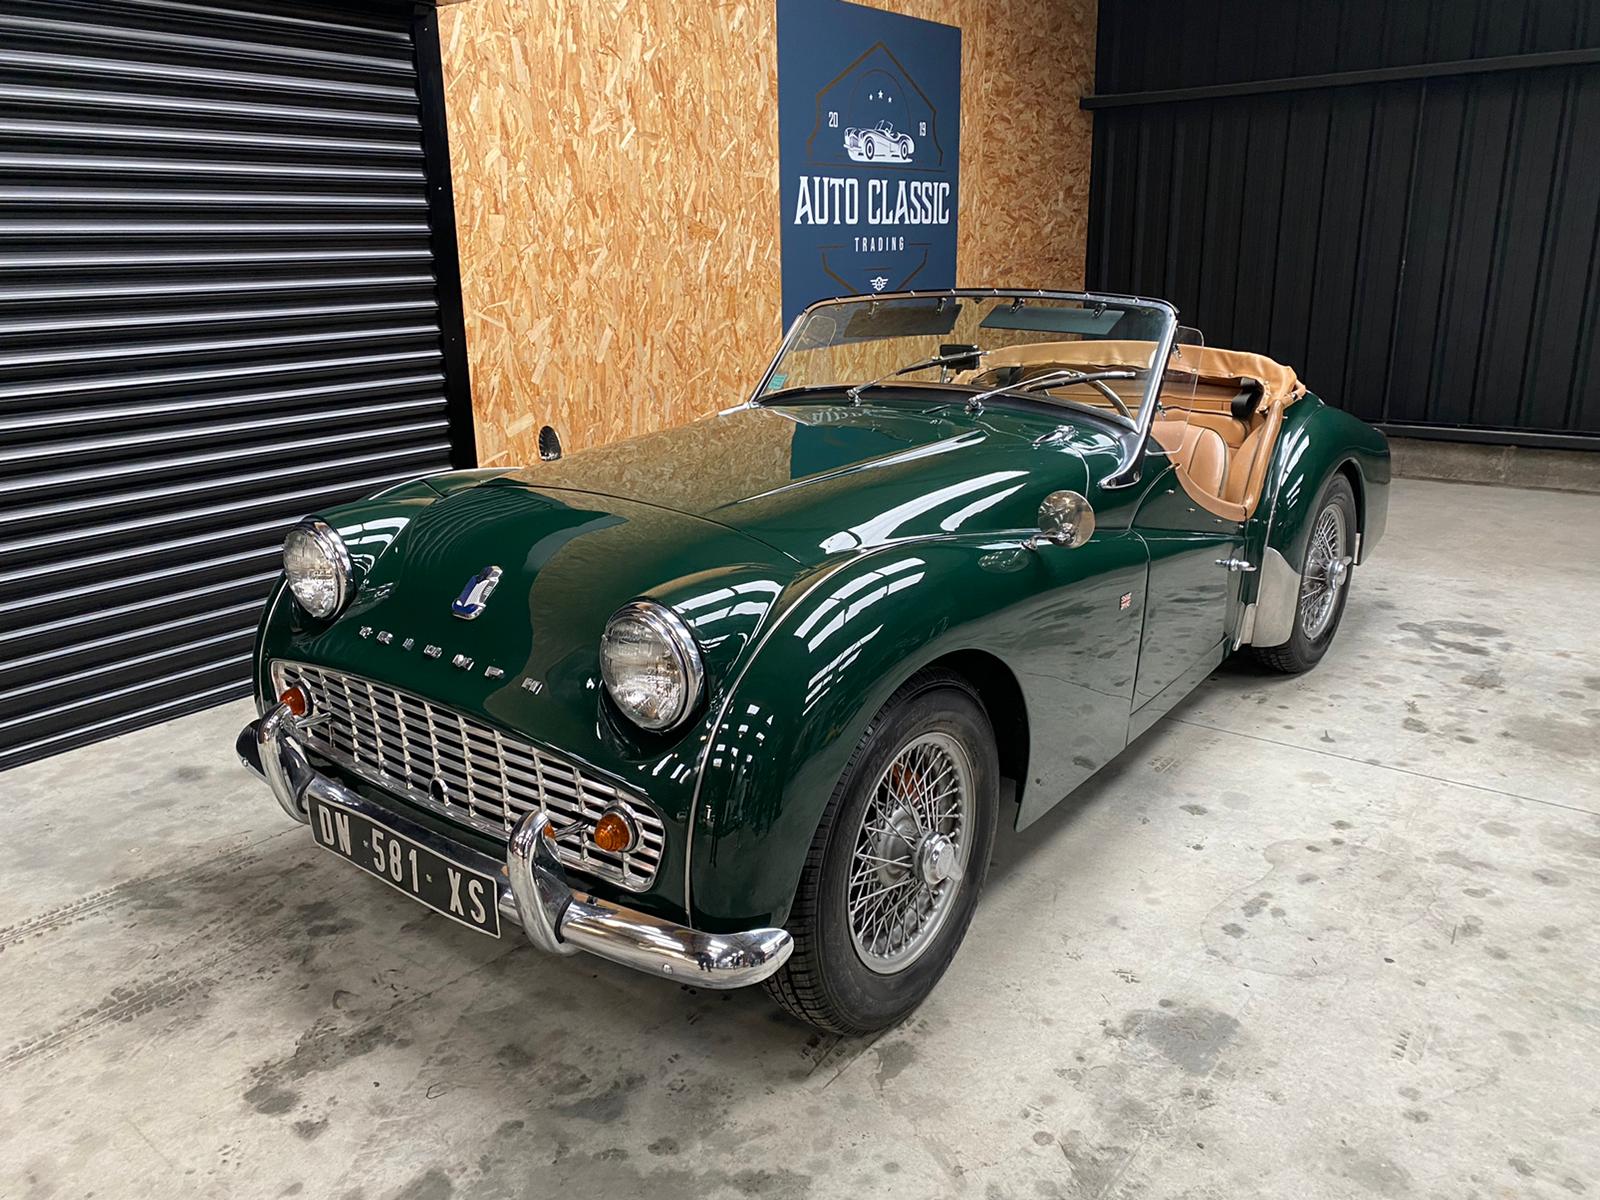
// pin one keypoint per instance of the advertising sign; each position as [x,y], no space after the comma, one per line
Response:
[869,137]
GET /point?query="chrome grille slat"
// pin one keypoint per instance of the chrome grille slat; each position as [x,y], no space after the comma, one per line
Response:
[405,739]
[401,741]
[376,724]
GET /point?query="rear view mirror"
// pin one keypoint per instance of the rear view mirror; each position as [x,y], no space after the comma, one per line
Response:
[1065,519]
[970,363]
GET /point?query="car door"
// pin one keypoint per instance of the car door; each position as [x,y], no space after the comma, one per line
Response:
[1195,563]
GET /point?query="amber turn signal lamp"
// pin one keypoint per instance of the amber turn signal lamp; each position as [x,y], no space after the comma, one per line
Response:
[614,832]
[297,700]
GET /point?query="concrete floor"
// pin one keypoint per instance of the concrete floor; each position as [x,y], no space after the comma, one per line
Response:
[1329,936]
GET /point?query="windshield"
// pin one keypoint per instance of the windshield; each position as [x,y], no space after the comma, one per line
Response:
[990,347]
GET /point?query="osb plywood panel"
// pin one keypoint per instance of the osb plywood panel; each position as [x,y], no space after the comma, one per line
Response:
[616,177]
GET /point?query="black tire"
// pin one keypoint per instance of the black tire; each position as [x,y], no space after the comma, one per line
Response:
[826,982]
[868,148]
[1304,649]
[905,147]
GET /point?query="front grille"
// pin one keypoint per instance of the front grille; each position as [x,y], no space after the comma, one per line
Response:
[467,771]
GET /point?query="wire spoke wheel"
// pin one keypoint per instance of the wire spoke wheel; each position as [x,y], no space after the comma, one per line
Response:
[910,852]
[1326,571]
[896,866]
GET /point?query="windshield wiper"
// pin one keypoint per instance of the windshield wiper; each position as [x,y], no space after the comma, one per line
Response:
[937,360]
[1051,379]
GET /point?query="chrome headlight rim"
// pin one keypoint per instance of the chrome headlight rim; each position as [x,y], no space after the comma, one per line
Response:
[675,632]
[333,548]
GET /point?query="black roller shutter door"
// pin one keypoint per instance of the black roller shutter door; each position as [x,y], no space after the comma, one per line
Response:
[228,297]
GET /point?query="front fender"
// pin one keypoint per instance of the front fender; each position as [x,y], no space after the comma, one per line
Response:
[830,660]
[369,528]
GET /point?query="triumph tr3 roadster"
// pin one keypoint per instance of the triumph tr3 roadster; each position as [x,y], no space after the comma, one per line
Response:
[745,701]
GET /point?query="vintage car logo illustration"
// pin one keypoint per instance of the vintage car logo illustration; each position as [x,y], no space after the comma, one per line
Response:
[475,596]
[878,188]
[882,142]
[879,115]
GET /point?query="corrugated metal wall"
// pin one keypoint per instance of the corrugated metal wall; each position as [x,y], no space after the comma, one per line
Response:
[1409,215]
[227,299]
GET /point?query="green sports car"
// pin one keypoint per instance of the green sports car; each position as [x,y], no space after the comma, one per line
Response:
[745,701]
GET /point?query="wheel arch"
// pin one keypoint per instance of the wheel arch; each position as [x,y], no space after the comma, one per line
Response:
[815,684]
[779,800]
[1351,470]
[1317,444]
[997,689]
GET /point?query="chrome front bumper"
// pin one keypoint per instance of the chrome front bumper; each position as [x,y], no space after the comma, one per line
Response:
[533,888]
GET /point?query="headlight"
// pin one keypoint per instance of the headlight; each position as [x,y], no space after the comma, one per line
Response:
[651,665]
[317,566]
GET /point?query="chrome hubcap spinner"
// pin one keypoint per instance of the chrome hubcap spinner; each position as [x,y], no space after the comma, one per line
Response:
[938,859]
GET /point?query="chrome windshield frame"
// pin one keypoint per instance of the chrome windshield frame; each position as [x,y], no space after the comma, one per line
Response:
[1127,471]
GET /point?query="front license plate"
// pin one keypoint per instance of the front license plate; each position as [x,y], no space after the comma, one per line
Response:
[461,894]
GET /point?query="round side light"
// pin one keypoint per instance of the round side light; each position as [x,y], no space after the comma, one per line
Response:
[615,832]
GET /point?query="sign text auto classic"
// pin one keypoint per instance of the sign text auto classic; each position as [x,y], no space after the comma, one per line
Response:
[869,131]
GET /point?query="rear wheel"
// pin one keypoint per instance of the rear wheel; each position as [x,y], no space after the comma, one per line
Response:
[897,863]
[1324,583]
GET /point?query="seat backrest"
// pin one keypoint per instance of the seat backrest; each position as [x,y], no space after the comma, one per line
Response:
[1242,464]
[1197,451]
[1205,459]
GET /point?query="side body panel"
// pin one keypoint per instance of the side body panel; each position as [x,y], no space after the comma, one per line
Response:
[1191,597]
[1055,617]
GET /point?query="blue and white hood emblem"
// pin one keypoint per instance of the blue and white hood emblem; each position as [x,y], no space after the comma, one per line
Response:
[474,597]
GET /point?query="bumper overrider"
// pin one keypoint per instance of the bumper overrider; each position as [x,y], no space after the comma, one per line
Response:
[532,884]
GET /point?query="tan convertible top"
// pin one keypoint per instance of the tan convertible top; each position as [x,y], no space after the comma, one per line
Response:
[1211,365]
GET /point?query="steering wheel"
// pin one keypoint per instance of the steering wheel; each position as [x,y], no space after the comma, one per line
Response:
[1106,390]
[1110,393]
[1047,380]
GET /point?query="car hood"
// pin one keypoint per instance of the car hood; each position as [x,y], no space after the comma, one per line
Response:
[726,521]
[530,659]
[815,480]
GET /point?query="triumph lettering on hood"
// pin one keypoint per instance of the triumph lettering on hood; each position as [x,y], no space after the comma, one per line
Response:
[839,200]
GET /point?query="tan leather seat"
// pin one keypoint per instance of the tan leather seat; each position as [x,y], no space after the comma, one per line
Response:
[1241,465]
[1205,458]
[1196,450]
